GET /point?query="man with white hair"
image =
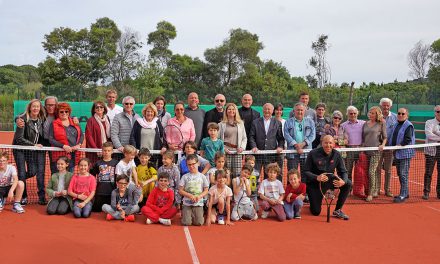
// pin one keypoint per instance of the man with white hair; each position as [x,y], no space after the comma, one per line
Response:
[432,154]
[123,124]
[353,128]
[386,158]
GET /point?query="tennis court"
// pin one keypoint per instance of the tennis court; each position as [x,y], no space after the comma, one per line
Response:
[376,233]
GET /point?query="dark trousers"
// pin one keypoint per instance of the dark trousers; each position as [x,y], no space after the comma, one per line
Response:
[263,160]
[315,195]
[31,163]
[429,169]
[99,201]
[58,205]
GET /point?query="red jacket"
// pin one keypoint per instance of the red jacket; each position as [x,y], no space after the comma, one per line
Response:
[295,192]
[59,134]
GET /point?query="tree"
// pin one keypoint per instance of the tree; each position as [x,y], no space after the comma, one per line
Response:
[160,40]
[127,59]
[319,61]
[228,61]
[418,60]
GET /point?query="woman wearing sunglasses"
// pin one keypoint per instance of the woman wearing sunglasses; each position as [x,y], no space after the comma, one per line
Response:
[97,129]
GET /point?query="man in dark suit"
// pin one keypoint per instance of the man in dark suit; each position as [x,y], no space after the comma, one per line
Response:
[266,134]
[214,115]
[248,115]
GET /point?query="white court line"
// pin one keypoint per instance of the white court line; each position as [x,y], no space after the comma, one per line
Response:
[191,247]
[435,209]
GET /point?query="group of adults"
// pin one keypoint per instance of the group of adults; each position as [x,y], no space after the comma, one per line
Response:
[240,129]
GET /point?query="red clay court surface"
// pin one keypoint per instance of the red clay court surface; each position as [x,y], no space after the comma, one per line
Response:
[376,233]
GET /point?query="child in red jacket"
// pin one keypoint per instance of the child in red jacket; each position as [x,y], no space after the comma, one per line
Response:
[294,197]
[159,207]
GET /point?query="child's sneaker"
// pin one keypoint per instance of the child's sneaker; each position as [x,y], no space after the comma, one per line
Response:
[221,220]
[17,208]
[264,214]
[166,222]
[2,203]
[297,216]
[109,217]
[129,218]
[255,217]
[148,221]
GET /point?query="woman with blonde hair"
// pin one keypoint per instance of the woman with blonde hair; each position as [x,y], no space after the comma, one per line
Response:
[31,134]
[374,134]
[233,134]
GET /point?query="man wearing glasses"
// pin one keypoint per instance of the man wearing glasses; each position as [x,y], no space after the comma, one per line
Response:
[123,124]
[402,134]
[299,133]
[432,154]
[386,157]
[214,115]
[353,128]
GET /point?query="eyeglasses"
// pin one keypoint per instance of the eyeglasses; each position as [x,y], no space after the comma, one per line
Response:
[129,103]
[63,112]
[178,109]
[163,180]
[352,113]
[123,183]
[191,164]
[99,107]
[335,117]
[219,100]
[402,114]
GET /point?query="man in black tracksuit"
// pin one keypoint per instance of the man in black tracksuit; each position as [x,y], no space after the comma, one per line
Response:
[319,168]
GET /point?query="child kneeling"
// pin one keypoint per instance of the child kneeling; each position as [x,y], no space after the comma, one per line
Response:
[295,193]
[219,198]
[123,202]
[272,193]
[159,206]
[244,207]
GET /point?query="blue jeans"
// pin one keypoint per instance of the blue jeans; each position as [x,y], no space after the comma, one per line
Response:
[81,212]
[292,163]
[293,209]
[402,172]
[34,161]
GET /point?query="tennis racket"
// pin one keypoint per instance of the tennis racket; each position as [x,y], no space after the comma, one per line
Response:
[173,136]
[328,192]
[245,212]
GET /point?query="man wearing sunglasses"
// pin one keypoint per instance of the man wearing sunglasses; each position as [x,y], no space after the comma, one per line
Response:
[123,124]
[386,157]
[214,115]
[432,154]
[402,134]
[299,133]
[353,128]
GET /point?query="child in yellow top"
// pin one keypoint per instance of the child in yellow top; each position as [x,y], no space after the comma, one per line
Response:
[147,174]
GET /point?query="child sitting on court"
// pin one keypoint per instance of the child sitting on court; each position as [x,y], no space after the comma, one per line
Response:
[211,145]
[82,189]
[254,180]
[159,207]
[294,197]
[174,175]
[104,171]
[60,203]
[219,203]
[147,174]
[10,187]
[244,207]
[271,191]
[220,161]
[189,148]
[123,202]
[193,187]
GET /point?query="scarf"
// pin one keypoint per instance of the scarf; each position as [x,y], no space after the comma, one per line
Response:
[105,133]
[145,124]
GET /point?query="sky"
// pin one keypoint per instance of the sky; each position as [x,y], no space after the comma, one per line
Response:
[369,39]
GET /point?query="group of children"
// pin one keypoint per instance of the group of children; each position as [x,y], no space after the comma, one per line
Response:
[197,185]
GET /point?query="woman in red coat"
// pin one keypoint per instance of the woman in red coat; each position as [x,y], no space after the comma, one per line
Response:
[97,130]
